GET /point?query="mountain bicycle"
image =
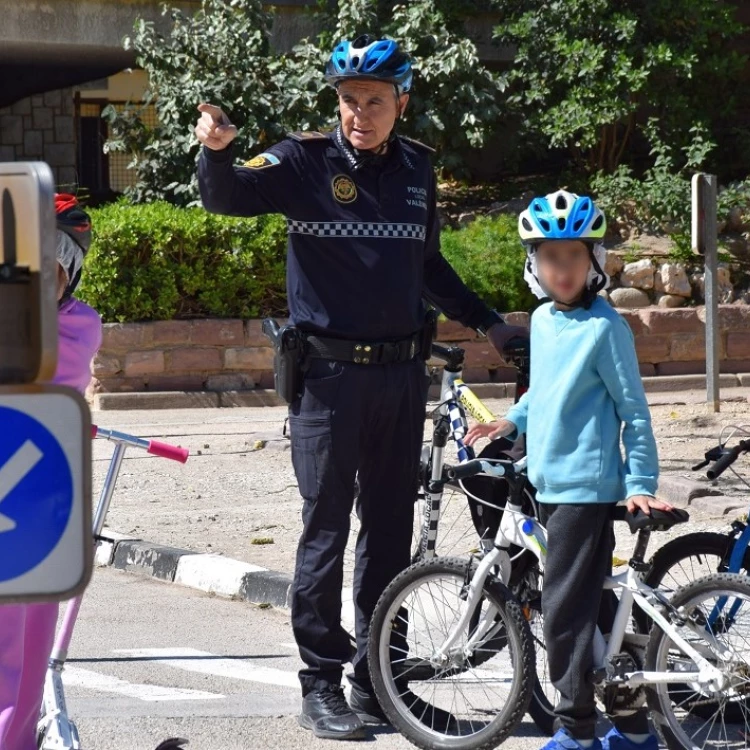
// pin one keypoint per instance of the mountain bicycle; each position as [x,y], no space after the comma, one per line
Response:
[425,631]
[687,557]
[457,520]
[56,730]
[691,556]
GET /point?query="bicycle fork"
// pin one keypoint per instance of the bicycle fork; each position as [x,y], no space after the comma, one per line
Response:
[475,587]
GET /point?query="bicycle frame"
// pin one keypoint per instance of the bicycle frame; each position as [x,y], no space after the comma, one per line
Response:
[55,730]
[629,584]
[456,399]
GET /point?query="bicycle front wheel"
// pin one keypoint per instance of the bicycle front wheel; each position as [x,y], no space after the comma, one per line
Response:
[449,704]
[694,714]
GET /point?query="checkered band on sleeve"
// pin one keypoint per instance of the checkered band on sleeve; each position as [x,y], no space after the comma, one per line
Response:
[358,229]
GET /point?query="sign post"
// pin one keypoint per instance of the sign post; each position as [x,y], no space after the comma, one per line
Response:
[704,243]
[45,431]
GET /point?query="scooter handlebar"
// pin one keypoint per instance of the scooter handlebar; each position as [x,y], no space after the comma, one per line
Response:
[172,452]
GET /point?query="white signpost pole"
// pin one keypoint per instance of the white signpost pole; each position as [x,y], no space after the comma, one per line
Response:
[704,243]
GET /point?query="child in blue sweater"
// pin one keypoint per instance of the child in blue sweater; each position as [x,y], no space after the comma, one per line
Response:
[586,399]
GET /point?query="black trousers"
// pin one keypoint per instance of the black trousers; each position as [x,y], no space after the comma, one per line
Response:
[580,543]
[352,420]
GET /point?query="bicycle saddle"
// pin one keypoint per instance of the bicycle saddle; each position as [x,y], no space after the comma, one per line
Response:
[659,520]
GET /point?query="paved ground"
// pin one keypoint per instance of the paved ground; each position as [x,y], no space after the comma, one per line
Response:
[237,494]
[152,660]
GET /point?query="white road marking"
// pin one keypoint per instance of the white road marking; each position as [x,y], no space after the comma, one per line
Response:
[14,471]
[234,669]
[84,678]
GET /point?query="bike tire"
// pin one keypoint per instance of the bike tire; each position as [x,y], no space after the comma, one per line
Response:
[678,555]
[384,680]
[663,699]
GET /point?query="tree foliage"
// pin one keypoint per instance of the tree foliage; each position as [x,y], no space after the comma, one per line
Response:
[221,54]
[588,71]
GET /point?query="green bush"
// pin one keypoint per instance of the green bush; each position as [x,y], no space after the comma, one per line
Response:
[488,256]
[159,262]
[659,201]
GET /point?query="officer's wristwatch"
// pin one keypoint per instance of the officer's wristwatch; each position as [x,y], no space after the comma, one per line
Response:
[493,318]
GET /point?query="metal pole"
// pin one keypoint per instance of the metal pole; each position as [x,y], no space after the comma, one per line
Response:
[704,242]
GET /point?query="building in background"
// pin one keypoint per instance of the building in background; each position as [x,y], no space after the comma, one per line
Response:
[62,62]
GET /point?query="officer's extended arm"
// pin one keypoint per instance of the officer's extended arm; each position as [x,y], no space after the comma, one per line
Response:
[443,287]
[262,186]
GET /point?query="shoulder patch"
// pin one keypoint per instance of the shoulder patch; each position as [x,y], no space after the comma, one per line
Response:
[308,135]
[417,144]
[261,161]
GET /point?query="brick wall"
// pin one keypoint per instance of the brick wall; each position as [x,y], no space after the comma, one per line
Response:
[229,355]
[42,128]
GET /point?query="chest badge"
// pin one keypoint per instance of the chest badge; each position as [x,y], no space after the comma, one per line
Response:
[344,189]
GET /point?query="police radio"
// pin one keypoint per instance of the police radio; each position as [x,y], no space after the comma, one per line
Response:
[28,309]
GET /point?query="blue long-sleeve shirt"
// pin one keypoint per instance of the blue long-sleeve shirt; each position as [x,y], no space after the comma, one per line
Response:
[586,396]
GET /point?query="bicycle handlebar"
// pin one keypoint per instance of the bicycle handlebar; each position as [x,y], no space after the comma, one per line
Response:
[517,346]
[477,466]
[727,459]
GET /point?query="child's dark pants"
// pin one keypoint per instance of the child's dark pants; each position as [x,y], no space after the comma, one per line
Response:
[580,544]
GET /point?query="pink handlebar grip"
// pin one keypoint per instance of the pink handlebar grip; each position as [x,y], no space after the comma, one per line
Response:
[173,452]
[94,431]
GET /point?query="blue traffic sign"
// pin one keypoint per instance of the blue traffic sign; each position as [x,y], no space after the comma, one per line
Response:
[36,493]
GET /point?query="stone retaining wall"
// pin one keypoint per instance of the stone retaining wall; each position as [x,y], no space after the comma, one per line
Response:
[231,355]
[42,127]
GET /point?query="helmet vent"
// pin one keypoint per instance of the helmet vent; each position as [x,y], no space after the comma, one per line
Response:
[561,224]
[526,224]
[577,225]
[544,224]
[586,206]
[561,204]
[355,62]
[597,223]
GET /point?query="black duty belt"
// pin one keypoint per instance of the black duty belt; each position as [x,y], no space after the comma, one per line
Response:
[364,352]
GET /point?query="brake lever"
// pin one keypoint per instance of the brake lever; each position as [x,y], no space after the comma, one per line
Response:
[712,455]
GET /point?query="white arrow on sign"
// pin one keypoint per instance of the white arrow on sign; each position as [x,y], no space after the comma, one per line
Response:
[20,464]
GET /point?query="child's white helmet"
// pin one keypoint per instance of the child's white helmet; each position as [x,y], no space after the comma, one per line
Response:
[564,216]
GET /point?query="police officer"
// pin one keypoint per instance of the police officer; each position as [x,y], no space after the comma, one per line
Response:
[363,251]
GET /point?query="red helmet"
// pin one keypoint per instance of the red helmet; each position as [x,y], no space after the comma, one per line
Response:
[73,220]
[75,223]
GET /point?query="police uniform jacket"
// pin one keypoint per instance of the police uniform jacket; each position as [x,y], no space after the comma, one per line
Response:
[363,245]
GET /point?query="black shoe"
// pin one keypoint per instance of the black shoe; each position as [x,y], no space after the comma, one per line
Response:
[367,708]
[327,714]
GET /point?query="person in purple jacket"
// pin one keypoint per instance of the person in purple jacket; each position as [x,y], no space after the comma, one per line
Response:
[27,631]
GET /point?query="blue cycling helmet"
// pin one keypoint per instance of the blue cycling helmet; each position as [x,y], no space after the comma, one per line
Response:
[370,58]
[565,216]
[562,216]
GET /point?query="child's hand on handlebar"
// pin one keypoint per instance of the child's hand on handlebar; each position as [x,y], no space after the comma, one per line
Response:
[645,503]
[492,430]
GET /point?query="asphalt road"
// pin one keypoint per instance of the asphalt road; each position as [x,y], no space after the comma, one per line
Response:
[151,660]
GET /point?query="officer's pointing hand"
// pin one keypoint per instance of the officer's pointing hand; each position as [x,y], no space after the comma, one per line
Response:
[214,129]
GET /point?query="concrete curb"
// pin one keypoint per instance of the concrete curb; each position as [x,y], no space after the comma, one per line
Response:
[207,572]
[259,397]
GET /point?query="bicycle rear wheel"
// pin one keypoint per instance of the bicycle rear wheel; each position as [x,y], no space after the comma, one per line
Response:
[689,557]
[449,704]
[694,714]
